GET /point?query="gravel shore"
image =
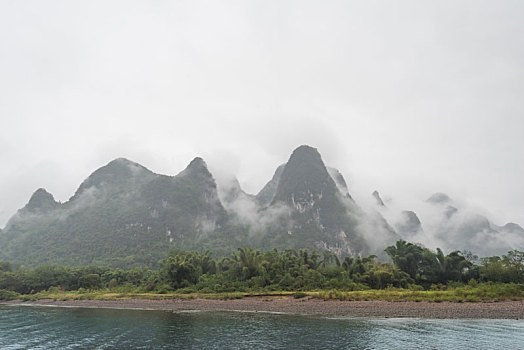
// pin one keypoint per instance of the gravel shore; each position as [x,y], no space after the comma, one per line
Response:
[309,306]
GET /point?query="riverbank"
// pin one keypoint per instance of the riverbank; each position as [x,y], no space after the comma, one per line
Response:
[307,306]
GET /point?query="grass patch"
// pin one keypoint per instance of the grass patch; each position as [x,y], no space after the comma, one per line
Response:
[480,293]
[8,295]
[111,295]
[487,292]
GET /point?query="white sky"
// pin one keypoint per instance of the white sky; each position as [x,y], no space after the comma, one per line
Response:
[407,97]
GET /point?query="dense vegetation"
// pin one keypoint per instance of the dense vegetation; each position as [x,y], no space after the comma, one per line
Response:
[247,270]
[122,215]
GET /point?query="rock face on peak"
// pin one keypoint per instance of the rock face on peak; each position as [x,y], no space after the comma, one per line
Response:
[337,176]
[267,193]
[41,201]
[304,180]
[197,167]
[319,212]
[199,184]
[40,204]
[119,172]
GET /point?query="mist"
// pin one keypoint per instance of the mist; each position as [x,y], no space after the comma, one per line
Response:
[409,98]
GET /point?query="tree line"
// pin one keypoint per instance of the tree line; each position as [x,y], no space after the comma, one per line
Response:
[411,266]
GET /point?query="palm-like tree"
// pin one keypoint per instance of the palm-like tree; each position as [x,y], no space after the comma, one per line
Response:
[406,257]
[440,268]
[249,261]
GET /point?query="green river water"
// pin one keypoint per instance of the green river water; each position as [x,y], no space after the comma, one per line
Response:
[31,327]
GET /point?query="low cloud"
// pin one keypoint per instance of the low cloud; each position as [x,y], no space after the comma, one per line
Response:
[245,208]
[454,225]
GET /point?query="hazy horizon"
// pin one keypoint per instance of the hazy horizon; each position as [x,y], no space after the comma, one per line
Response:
[406,98]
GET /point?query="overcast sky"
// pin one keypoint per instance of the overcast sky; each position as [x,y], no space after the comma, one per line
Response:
[407,97]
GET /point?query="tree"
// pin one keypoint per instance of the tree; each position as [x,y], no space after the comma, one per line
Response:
[406,257]
[249,261]
[514,262]
[5,267]
[456,265]
[440,268]
[181,269]
[90,281]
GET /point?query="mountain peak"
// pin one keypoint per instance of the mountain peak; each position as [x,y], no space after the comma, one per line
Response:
[122,165]
[41,200]
[197,163]
[305,152]
[378,200]
[304,175]
[439,198]
[115,172]
[120,160]
[512,227]
[197,167]
[321,212]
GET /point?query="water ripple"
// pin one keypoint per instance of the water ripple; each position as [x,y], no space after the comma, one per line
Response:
[74,328]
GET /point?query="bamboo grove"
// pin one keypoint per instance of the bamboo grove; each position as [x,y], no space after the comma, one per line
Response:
[410,267]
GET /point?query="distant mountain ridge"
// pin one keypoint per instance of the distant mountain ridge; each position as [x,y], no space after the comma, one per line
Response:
[121,214]
[125,215]
[453,226]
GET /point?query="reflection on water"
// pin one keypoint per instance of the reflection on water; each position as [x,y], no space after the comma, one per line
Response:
[23,327]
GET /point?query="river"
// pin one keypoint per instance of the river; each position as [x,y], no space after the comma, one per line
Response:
[40,327]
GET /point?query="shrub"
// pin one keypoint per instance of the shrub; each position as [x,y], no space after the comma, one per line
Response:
[53,290]
[90,281]
[113,283]
[8,295]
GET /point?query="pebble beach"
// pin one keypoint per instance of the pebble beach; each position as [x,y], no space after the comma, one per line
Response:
[308,306]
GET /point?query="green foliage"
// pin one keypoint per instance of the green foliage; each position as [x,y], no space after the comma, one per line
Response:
[8,295]
[5,266]
[113,283]
[182,269]
[443,277]
[406,256]
[426,267]
[90,281]
[122,216]
[509,268]
[486,292]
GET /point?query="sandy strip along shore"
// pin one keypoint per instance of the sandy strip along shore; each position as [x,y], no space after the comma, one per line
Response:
[308,306]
